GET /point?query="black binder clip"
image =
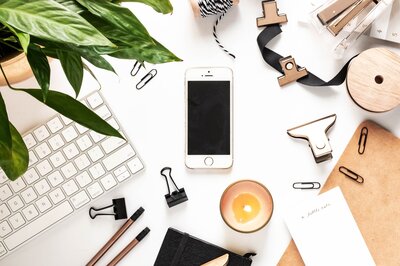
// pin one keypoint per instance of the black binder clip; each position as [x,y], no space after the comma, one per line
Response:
[119,210]
[176,197]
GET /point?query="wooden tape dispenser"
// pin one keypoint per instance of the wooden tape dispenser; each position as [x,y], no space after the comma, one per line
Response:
[373,80]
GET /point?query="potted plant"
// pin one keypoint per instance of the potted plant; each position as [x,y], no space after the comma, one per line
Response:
[74,32]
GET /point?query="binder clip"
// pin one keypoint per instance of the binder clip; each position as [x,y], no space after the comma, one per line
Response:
[291,71]
[176,197]
[271,15]
[315,133]
[119,210]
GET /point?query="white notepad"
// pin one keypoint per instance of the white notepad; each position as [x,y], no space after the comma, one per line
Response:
[387,26]
[326,233]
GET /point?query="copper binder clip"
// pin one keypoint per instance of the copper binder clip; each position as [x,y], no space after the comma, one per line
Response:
[271,15]
[291,71]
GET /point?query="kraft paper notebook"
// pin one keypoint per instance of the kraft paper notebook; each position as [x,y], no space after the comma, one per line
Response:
[375,204]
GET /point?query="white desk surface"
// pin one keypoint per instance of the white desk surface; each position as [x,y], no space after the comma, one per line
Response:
[154,120]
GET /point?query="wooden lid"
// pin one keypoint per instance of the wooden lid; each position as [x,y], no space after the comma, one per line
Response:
[373,80]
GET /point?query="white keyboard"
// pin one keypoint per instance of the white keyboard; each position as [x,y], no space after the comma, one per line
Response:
[69,166]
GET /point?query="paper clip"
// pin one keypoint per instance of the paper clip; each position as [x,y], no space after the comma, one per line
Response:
[136,68]
[352,175]
[176,197]
[362,141]
[306,185]
[119,209]
[149,76]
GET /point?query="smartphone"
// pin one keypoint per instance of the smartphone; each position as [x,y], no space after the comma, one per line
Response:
[209,117]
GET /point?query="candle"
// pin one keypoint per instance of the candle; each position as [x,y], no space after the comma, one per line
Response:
[246,206]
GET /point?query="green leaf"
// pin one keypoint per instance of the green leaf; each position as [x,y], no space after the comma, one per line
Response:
[13,152]
[50,20]
[161,6]
[71,5]
[75,110]
[40,68]
[15,162]
[72,65]
[155,54]
[92,74]
[5,137]
[121,17]
[98,61]
[23,38]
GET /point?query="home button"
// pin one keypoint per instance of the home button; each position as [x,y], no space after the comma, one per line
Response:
[208,161]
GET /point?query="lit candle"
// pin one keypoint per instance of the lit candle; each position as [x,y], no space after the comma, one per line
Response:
[246,206]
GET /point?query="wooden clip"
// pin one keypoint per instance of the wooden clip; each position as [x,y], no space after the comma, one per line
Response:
[292,72]
[271,15]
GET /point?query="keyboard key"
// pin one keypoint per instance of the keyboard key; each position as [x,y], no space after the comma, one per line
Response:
[57,159]
[15,203]
[82,162]
[42,186]
[55,124]
[123,176]
[120,170]
[81,129]
[71,151]
[17,185]
[84,143]
[4,212]
[57,196]
[95,153]
[66,120]
[30,212]
[43,204]
[56,142]
[55,178]
[80,199]
[3,177]
[94,100]
[29,141]
[31,176]
[118,157]
[44,167]
[83,179]
[32,158]
[3,250]
[5,192]
[103,112]
[112,143]
[69,133]
[135,165]
[97,170]
[42,150]
[95,190]
[38,225]
[108,182]
[68,170]
[29,195]
[113,123]
[17,220]
[5,229]
[96,136]
[70,187]
[41,133]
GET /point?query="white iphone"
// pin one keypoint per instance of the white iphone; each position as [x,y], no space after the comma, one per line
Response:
[209,117]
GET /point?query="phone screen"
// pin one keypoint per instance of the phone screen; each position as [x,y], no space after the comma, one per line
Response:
[209,117]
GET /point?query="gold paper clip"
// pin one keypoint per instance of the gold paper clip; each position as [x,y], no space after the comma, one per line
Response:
[352,175]
[271,15]
[291,71]
[362,141]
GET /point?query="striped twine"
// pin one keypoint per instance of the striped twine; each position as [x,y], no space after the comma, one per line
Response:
[215,7]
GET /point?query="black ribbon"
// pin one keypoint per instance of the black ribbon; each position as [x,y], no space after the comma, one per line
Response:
[272,59]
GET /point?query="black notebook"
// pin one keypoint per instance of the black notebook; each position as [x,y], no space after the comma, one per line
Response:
[181,249]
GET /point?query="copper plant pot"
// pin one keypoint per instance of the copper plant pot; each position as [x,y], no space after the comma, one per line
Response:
[16,68]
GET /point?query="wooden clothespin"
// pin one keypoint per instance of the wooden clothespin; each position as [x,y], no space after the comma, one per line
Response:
[271,15]
[291,71]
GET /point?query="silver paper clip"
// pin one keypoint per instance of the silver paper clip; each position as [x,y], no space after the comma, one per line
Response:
[135,69]
[315,132]
[149,76]
[307,185]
